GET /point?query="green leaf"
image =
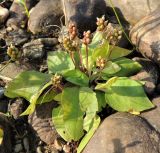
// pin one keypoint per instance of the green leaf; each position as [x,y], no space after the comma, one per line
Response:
[101,100]
[30,109]
[89,135]
[59,62]
[77,77]
[97,39]
[88,103]
[95,49]
[102,50]
[83,52]
[111,68]
[26,84]
[128,67]
[34,99]
[1,135]
[57,118]
[58,97]
[103,86]
[72,113]
[48,96]
[127,95]
[117,52]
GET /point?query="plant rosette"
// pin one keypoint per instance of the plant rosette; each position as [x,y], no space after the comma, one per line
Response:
[84,78]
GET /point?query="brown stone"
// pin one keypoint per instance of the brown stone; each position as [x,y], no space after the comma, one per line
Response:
[4,13]
[132,11]
[145,35]
[18,16]
[124,133]
[41,122]
[45,16]
[149,74]
[152,116]
[12,70]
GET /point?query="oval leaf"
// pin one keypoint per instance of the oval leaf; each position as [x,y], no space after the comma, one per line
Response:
[26,84]
[72,113]
[97,39]
[89,104]
[57,118]
[101,50]
[127,95]
[59,62]
[101,100]
[103,86]
[34,99]
[128,67]
[117,52]
[111,68]
[77,77]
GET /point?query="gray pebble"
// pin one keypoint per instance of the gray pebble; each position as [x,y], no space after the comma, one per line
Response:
[33,50]
[37,48]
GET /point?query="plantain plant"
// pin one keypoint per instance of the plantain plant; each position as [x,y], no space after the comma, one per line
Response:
[85,77]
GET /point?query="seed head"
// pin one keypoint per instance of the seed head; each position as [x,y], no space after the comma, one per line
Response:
[56,80]
[101,62]
[113,36]
[13,52]
[72,31]
[69,44]
[87,37]
[101,23]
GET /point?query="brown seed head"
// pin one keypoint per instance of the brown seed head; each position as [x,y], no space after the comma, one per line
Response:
[13,53]
[100,62]
[56,80]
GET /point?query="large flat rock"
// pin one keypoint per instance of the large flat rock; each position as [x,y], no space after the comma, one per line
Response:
[124,133]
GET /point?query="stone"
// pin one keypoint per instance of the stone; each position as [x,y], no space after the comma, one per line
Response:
[145,35]
[17,37]
[4,13]
[83,13]
[8,72]
[124,133]
[33,50]
[131,11]
[6,146]
[149,74]
[45,16]
[36,48]
[41,122]
[18,16]
[152,116]
[16,108]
